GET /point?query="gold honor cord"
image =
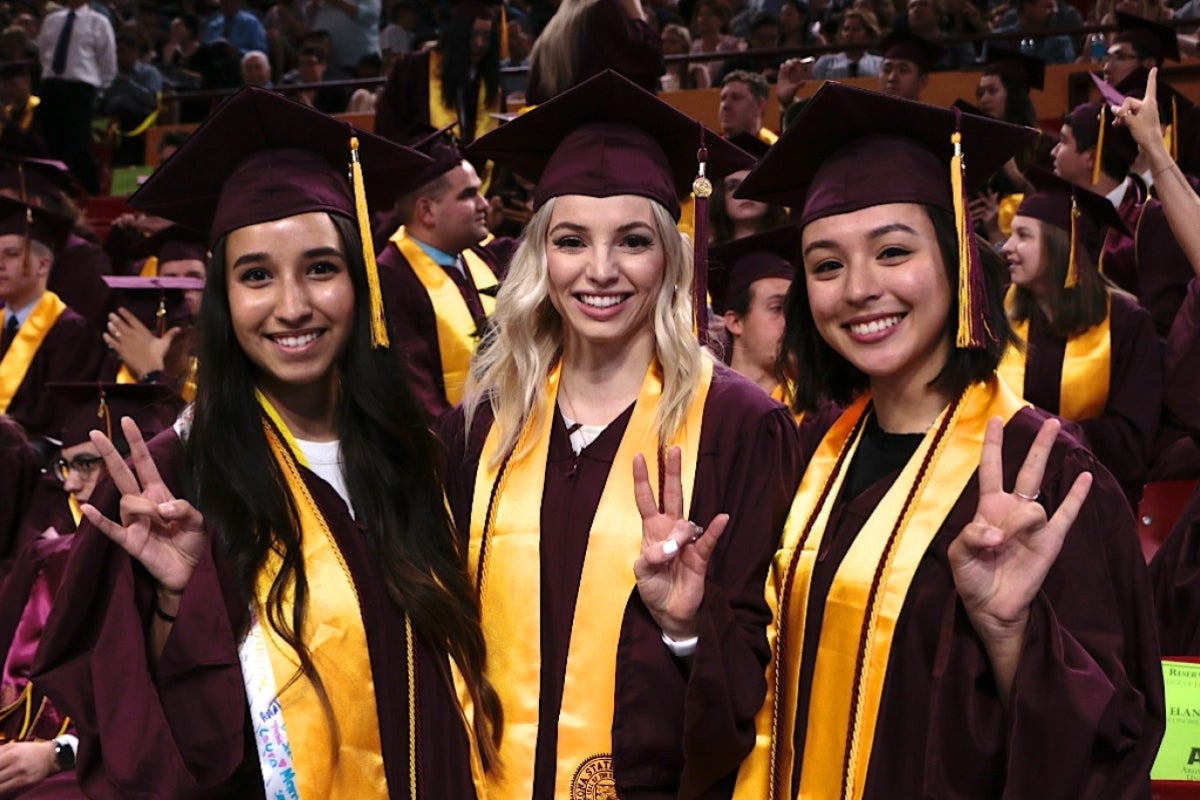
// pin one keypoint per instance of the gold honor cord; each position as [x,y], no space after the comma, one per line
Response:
[510,592]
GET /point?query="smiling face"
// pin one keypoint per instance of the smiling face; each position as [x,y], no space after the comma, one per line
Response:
[1025,253]
[879,292]
[605,263]
[291,303]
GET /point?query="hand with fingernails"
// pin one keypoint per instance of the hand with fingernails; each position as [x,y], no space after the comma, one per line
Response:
[1142,118]
[165,534]
[671,570]
[138,348]
[1001,558]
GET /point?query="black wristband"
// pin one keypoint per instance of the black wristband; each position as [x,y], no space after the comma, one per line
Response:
[158,612]
[153,376]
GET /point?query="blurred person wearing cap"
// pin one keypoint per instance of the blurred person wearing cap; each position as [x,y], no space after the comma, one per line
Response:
[1034,18]
[353,26]
[233,24]
[751,277]
[959,588]
[20,119]
[1091,355]
[743,101]
[150,334]
[1149,263]
[457,81]
[593,359]
[80,261]
[79,60]
[38,751]
[18,475]
[298,496]
[730,217]
[907,61]
[586,37]
[43,341]
[439,281]
[1140,45]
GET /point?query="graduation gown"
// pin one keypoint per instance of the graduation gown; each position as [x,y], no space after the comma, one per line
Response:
[48,507]
[77,279]
[408,92]
[412,322]
[1149,265]
[680,727]
[1122,436]
[630,47]
[1175,573]
[181,729]
[71,352]
[1177,452]
[1086,710]
[18,474]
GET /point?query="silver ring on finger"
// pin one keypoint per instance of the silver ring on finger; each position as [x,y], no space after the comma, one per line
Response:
[1033,498]
[697,531]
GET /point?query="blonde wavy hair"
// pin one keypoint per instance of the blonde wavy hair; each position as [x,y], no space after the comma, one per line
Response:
[555,54]
[525,340]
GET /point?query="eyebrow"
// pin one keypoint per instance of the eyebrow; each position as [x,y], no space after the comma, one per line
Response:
[315,252]
[874,233]
[578,228]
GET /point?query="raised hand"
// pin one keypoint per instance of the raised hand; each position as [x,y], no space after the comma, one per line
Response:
[165,534]
[1141,116]
[674,561]
[1001,558]
[139,349]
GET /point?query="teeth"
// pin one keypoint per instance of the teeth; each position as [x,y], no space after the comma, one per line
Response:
[601,300]
[874,326]
[296,341]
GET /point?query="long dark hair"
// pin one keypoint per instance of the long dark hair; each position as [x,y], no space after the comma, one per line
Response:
[1075,309]
[822,373]
[455,47]
[720,226]
[1018,108]
[391,472]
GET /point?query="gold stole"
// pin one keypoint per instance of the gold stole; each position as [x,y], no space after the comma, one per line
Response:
[26,113]
[440,116]
[25,346]
[336,638]
[784,393]
[456,328]
[510,592]
[864,602]
[1086,367]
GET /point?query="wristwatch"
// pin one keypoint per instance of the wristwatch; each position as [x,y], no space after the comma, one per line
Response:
[64,752]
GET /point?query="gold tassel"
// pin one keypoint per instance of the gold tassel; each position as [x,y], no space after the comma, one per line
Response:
[1099,147]
[102,412]
[149,268]
[25,270]
[1072,269]
[188,390]
[379,333]
[964,337]
[160,316]
[504,51]
[1174,129]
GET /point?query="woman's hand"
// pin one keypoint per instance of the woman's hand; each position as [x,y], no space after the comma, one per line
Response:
[138,348]
[985,210]
[25,764]
[165,534]
[1142,119]
[1001,558]
[674,561]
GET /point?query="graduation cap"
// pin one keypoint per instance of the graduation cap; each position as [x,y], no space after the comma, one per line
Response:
[45,226]
[750,143]
[158,303]
[85,407]
[441,148]
[1156,40]
[736,265]
[1081,213]
[608,136]
[262,157]
[1174,107]
[967,107]
[1022,68]
[904,45]
[172,243]
[851,149]
[1094,121]
[39,181]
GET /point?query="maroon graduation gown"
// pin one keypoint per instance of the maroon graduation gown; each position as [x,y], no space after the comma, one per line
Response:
[1150,265]
[76,278]
[1177,452]
[405,100]
[1087,705]
[412,322]
[18,474]
[630,47]
[1122,436]
[70,353]
[680,728]
[179,730]
[49,507]
[1175,573]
